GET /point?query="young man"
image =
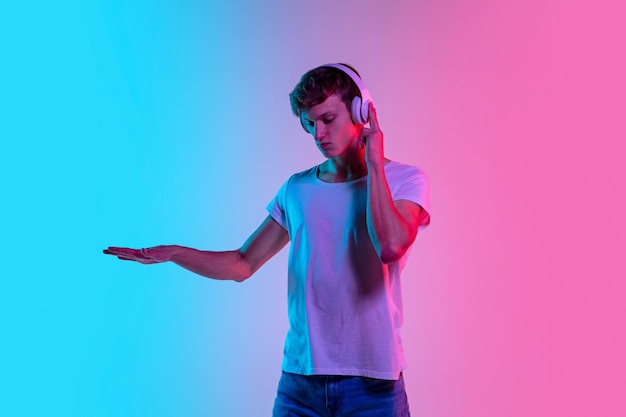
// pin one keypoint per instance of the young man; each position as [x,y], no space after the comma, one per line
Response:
[351,222]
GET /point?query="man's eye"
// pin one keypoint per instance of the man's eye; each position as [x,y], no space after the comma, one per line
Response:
[327,121]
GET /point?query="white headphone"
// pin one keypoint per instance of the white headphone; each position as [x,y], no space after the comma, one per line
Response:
[359,108]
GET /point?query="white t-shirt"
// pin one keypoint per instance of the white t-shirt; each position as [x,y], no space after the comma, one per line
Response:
[344,305]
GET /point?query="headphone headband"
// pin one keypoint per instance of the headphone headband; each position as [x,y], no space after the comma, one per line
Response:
[360,105]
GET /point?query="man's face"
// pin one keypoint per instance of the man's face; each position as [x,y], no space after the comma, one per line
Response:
[331,126]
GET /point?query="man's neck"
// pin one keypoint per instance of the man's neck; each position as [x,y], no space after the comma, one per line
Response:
[338,170]
[343,168]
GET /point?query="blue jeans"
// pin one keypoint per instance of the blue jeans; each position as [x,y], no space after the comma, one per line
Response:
[339,396]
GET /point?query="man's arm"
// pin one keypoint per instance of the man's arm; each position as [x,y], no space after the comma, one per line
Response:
[236,265]
[392,226]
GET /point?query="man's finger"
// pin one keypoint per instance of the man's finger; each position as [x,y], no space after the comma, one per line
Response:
[372,117]
[115,249]
[127,252]
[123,258]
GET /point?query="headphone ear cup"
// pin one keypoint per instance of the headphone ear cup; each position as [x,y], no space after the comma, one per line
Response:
[356,111]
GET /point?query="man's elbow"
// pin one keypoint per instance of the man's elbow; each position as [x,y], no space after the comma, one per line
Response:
[245,268]
[241,278]
[391,254]
[394,251]
[242,274]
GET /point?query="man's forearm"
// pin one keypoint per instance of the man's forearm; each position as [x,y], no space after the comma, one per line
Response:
[228,265]
[391,235]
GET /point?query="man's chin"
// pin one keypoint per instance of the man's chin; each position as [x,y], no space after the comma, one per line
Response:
[326,152]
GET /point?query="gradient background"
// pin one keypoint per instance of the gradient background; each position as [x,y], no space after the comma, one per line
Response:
[138,123]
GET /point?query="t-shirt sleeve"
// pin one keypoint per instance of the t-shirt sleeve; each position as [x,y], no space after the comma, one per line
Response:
[414,187]
[276,207]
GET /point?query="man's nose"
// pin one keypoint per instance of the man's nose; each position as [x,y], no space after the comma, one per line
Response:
[318,132]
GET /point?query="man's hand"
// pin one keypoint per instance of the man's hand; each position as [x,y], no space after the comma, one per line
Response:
[146,256]
[372,138]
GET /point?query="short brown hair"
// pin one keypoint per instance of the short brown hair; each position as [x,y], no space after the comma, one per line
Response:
[318,84]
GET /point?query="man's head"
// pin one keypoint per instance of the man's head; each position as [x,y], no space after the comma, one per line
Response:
[324,101]
[318,84]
